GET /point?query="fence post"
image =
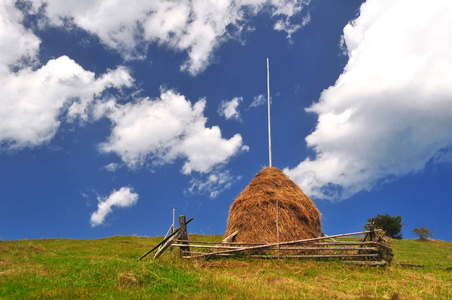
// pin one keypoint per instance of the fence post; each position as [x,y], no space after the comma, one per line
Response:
[183,234]
[172,226]
[372,230]
[372,237]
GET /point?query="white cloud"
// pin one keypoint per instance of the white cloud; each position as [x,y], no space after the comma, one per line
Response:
[258,100]
[286,26]
[112,167]
[165,129]
[389,113]
[12,32]
[196,27]
[229,109]
[125,197]
[34,99]
[32,102]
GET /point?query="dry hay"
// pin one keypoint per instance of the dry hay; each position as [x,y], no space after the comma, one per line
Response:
[253,212]
[127,280]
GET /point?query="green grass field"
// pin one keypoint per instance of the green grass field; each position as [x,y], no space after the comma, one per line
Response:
[108,269]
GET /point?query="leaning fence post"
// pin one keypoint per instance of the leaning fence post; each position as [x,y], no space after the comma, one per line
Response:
[183,234]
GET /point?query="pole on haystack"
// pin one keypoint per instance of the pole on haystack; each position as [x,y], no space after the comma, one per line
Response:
[269,127]
[277,224]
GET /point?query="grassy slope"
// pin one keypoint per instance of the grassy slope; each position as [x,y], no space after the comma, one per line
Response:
[107,269]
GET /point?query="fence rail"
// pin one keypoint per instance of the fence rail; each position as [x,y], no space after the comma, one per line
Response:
[375,251]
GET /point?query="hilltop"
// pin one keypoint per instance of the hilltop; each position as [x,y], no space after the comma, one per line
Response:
[108,268]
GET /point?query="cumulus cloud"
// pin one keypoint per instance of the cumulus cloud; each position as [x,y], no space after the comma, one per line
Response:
[125,197]
[164,129]
[229,109]
[32,102]
[196,27]
[388,113]
[34,99]
[12,32]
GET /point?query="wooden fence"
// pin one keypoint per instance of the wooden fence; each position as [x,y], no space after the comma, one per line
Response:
[374,248]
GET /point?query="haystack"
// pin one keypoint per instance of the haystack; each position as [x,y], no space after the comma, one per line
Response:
[253,212]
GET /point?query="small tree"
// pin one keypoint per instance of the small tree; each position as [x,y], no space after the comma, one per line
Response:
[392,225]
[423,233]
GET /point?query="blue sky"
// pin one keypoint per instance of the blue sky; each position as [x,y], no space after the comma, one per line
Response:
[113,114]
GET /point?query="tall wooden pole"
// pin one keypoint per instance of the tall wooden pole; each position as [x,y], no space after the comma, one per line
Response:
[269,126]
[277,224]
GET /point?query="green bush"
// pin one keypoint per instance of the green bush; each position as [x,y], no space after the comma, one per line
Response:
[423,233]
[392,225]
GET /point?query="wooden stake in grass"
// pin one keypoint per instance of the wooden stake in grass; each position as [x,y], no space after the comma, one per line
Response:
[183,234]
[164,240]
[174,213]
[269,126]
[159,244]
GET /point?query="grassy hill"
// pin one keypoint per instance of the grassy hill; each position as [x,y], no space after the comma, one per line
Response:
[107,269]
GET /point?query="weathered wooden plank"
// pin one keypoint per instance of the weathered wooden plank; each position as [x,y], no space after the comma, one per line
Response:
[325,249]
[162,242]
[321,256]
[227,243]
[331,246]
[284,248]
[170,230]
[183,234]
[159,244]
[366,263]
[365,237]
[207,247]
[291,256]
[276,244]
[164,246]
[258,244]
[330,238]
[230,237]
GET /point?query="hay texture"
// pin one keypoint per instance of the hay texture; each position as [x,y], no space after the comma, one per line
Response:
[253,212]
